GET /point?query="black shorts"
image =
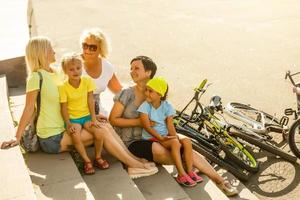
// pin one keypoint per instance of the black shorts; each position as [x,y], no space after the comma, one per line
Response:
[142,149]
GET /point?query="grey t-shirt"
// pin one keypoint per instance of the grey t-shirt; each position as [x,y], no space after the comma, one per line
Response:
[128,134]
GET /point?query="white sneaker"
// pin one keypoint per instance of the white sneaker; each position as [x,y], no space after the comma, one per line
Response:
[149,165]
[228,189]
[141,172]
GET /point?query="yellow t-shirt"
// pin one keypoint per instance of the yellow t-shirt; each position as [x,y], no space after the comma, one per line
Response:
[50,121]
[77,97]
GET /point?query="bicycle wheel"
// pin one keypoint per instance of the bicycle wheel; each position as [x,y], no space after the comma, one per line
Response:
[263,145]
[232,149]
[214,157]
[294,138]
[239,173]
[240,155]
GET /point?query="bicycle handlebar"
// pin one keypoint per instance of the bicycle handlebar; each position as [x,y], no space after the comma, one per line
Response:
[290,76]
[201,85]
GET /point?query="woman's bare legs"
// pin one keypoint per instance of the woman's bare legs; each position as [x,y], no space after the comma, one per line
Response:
[111,131]
[86,137]
[114,147]
[202,165]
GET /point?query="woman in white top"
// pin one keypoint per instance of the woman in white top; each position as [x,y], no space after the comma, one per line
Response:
[95,49]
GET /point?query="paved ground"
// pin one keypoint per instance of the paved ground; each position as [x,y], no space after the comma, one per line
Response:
[243,47]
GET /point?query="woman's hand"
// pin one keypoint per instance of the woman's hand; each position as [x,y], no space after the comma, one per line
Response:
[9,144]
[296,90]
[101,118]
[95,123]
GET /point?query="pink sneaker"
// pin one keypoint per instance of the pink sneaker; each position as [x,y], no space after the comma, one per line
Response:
[186,181]
[195,177]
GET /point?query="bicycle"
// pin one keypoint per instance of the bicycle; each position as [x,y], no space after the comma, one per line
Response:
[245,132]
[294,132]
[217,141]
[256,120]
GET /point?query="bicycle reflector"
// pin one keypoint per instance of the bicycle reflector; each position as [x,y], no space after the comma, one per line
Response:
[284,121]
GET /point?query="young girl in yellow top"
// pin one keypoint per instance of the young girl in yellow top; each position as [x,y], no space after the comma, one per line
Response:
[157,119]
[77,108]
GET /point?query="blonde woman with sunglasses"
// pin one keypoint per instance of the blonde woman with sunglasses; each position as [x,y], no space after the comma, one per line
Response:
[95,50]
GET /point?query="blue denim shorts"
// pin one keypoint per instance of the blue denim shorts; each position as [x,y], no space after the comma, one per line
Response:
[81,120]
[51,144]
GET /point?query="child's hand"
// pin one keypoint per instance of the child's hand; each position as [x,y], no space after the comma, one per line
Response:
[166,138]
[296,90]
[71,128]
[96,123]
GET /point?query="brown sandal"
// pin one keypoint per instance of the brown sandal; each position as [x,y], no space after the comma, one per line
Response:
[101,163]
[88,168]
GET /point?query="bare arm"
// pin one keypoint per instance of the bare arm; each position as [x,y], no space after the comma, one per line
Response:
[116,119]
[170,126]
[64,113]
[27,115]
[66,117]
[147,126]
[91,105]
[114,84]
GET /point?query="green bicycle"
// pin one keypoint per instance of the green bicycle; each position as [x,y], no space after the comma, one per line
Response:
[211,133]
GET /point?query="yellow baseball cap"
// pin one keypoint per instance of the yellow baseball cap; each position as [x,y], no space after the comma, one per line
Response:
[159,85]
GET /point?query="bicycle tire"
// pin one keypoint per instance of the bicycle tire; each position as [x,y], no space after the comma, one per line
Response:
[291,137]
[239,173]
[242,158]
[268,147]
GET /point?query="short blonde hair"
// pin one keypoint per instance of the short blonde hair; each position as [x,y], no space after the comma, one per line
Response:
[100,37]
[70,58]
[36,53]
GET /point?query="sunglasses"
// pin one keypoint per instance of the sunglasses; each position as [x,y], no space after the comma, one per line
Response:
[91,47]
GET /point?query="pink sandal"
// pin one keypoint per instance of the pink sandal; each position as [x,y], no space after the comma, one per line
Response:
[195,177]
[186,181]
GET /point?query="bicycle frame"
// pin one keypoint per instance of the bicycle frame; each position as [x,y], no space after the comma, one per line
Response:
[257,127]
[290,111]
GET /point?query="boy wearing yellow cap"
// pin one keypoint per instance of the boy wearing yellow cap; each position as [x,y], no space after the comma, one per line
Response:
[156,110]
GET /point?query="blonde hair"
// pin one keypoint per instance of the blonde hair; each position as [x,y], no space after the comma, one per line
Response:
[100,37]
[70,58]
[36,53]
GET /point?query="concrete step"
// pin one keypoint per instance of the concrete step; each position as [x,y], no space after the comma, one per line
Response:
[15,181]
[113,183]
[161,186]
[55,176]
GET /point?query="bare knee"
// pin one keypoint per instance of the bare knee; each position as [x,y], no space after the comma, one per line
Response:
[175,144]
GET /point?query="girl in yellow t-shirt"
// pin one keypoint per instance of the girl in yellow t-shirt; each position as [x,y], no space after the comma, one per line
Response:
[77,109]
